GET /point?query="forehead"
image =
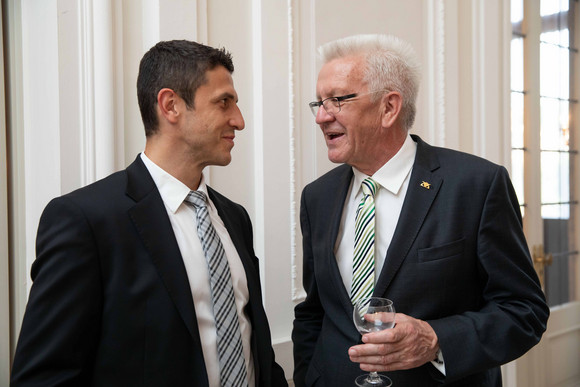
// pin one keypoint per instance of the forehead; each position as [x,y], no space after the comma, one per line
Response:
[340,75]
[218,81]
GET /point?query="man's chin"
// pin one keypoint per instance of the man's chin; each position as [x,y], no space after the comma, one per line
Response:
[337,159]
[222,162]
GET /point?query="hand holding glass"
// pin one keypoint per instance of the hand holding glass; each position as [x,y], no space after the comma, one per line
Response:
[372,315]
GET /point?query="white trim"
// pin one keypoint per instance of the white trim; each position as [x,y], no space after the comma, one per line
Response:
[509,370]
[478,78]
[18,270]
[258,137]
[304,59]
[87,93]
[4,257]
[436,71]
[151,25]
[104,89]
[506,92]
[119,85]
[291,148]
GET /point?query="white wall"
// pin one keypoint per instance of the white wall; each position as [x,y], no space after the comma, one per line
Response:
[74,64]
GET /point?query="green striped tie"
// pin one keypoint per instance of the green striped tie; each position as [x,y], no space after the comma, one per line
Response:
[363,272]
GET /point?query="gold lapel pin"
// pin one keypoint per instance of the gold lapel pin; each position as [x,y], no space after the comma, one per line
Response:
[424,184]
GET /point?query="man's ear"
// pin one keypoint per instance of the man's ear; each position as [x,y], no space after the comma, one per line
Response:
[167,101]
[391,105]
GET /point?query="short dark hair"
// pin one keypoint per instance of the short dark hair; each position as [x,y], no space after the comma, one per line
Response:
[180,65]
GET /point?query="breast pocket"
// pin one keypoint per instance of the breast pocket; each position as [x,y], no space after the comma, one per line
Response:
[447,250]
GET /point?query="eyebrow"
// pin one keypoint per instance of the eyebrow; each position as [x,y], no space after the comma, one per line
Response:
[227,95]
[333,93]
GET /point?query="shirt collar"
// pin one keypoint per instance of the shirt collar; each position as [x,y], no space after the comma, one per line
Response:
[392,175]
[173,192]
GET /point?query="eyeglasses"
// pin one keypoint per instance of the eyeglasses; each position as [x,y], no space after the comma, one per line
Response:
[332,105]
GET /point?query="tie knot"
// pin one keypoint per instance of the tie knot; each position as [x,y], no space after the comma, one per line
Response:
[197,198]
[369,187]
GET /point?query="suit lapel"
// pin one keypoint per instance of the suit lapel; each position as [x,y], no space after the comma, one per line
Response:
[336,198]
[423,188]
[151,221]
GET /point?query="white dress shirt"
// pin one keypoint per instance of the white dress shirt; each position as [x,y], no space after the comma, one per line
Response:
[184,222]
[393,180]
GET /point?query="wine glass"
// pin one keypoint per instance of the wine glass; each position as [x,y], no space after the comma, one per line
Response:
[373,314]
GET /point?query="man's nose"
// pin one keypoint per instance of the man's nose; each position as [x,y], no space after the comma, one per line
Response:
[237,120]
[323,116]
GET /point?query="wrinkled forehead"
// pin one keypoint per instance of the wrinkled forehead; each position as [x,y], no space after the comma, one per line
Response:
[341,75]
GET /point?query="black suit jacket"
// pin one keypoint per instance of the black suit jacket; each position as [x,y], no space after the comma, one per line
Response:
[111,304]
[458,259]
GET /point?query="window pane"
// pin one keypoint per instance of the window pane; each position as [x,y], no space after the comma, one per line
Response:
[517,64]
[555,185]
[517,11]
[554,74]
[554,134]
[517,117]
[517,16]
[550,7]
[560,275]
[517,175]
[559,38]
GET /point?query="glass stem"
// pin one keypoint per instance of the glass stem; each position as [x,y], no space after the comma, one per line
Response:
[373,377]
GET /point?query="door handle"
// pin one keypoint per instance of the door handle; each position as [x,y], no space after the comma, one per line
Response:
[541,261]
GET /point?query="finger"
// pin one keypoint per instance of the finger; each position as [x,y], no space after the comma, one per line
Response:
[385,336]
[383,364]
[378,361]
[390,362]
[363,350]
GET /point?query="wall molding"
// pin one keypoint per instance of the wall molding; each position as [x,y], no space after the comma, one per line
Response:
[478,85]
[302,54]
[436,71]
[4,242]
[87,93]
[291,147]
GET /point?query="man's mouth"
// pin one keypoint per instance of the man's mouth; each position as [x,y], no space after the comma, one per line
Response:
[332,136]
[229,138]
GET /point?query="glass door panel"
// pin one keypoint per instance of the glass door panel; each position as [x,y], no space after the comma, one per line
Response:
[557,154]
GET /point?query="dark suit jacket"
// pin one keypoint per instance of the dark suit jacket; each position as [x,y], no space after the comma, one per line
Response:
[458,259]
[111,303]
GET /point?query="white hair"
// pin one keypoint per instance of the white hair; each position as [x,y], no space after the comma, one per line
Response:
[391,64]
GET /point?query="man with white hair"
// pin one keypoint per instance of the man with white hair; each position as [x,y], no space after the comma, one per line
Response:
[446,242]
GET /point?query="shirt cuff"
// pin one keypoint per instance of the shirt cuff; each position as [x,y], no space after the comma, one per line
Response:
[438,362]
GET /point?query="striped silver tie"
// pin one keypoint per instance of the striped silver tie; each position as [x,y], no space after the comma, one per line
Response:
[363,271]
[229,338]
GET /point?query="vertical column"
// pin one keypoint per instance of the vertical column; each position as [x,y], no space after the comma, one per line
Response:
[490,92]
[87,90]
[41,132]
[105,98]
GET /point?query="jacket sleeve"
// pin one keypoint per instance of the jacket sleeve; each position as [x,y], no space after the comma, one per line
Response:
[308,315]
[514,313]
[60,329]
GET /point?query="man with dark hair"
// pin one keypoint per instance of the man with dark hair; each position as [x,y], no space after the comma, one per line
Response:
[148,277]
